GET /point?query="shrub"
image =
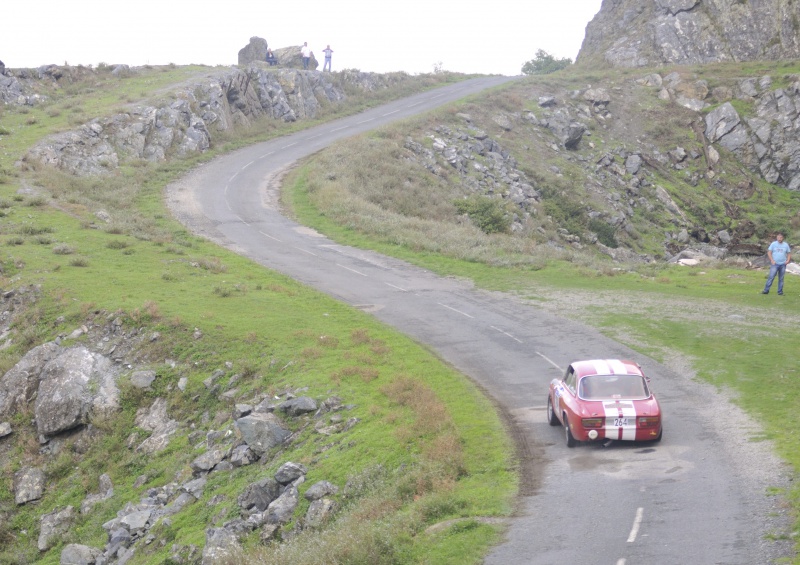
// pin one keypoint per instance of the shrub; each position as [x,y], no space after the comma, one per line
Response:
[63,249]
[486,213]
[544,63]
[605,232]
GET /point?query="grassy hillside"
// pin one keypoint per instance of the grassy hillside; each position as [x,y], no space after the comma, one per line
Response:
[685,316]
[427,447]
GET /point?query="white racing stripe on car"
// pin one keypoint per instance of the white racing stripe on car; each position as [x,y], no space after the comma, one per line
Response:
[618,367]
[601,367]
[617,409]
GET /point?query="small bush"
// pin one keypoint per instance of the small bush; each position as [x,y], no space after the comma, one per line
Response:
[605,232]
[35,230]
[222,291]
[486,213]
[36,201]
[63,249]
[544,63]
[212,264]
[79,262]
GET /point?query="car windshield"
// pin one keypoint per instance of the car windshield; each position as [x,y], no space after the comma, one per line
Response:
[600,387]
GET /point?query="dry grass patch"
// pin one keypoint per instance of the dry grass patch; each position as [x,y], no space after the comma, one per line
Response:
[328,341]
[311,353]
[366,374]
[148,311]
[430,414]
[211,264]
[359,336]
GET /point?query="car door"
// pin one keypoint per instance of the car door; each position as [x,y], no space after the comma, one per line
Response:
[566,393]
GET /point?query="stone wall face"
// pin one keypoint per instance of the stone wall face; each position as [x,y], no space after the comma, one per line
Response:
[633,33]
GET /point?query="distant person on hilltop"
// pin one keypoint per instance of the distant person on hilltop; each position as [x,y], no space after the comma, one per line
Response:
[328,52]
[2,68]
[305,52]
[271,58]
[779,255]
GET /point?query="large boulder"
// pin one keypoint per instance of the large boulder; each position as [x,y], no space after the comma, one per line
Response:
[262,432]
[74,385]
[222,545]
[77,554]
[28,485]
[259,495]
[19,385]
[53,525]
[256,50]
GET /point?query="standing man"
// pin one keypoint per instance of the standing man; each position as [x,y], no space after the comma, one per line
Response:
[779,255]
[328,52]
[305,52]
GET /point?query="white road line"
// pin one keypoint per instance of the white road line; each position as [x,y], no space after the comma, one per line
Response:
[315,136]
[393,286]
[506,334]
[290,145]
[366,121]
[414,104]
[305,251]
[267,154]
[271,237]
[390,113]
[553,363]
[636,523]
[454,310]
[247,165]
[349,269]
[339,129]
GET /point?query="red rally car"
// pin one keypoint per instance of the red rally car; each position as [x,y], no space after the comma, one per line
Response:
[604,399]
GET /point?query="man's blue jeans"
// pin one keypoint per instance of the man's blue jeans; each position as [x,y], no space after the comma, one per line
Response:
[305,62]
[779,270]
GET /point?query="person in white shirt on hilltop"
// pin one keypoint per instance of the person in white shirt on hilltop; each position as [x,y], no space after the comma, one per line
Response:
[328,52]
[305,52]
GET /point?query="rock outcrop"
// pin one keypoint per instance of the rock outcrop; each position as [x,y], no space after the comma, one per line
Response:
[636,33]
[190,119]
[187,123]
[256,50]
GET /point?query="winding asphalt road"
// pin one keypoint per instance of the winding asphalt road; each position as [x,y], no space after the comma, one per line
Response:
[687,499]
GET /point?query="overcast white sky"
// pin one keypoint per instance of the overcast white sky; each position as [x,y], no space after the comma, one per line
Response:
[491,37]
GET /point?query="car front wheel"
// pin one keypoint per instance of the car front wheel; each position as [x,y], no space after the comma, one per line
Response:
[552,419]
[570,438]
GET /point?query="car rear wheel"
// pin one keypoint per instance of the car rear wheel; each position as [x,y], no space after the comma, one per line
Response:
[568,433]
[552,419]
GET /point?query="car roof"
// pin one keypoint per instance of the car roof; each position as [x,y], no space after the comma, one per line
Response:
[606,367]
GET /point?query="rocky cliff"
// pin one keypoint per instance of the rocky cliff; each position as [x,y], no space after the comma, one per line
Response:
[639,33]
[184,121]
